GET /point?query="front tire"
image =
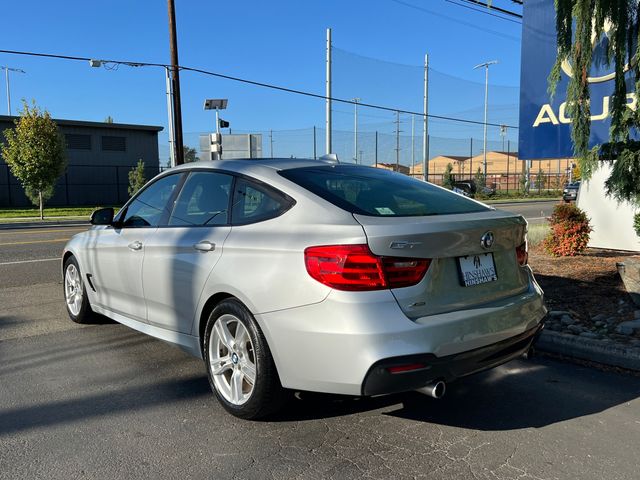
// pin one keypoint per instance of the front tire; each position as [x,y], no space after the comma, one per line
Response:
[239,364]
[75,294]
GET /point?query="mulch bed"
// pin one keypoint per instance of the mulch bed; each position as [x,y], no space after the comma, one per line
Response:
[584,285]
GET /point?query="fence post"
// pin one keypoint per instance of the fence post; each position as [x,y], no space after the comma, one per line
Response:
[376,150]
[471,159]
[508,161]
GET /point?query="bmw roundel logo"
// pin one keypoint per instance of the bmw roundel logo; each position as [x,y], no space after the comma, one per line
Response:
[487,240]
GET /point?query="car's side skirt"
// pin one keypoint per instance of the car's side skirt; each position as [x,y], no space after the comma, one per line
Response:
[188,343]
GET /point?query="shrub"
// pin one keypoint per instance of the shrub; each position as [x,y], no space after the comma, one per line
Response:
[137,178]
[570,231]
[636,223]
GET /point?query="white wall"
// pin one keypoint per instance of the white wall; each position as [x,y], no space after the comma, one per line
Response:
[612,222]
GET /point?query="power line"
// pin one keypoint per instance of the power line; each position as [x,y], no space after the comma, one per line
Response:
[485,11]
[253,82]
[462,22]
[492,7]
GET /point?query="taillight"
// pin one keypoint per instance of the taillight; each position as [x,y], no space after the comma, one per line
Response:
[355,268]
[522,254]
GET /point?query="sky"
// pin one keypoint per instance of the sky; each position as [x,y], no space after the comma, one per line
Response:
[279,42]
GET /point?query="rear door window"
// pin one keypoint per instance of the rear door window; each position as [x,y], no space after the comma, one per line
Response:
[377,192]
[253,202]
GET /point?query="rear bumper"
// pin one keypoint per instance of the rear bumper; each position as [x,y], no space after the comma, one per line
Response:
[333,346]
[380,381]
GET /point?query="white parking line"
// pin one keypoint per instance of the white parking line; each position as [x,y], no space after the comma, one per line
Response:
[31,261]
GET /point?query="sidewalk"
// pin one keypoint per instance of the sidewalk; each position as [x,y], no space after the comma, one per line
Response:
[35,222]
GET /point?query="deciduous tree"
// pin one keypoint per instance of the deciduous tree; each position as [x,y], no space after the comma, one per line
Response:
[35,153]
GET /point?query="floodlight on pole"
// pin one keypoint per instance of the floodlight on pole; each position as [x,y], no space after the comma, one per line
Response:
[486,100]
[6,76]
[217,104]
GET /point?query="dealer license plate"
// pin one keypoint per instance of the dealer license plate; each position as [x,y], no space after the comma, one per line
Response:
[477,269]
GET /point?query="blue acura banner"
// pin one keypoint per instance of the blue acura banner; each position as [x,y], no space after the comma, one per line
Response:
[544,122]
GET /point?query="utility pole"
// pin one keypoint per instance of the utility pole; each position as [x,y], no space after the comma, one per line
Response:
[175,75]
[425,120]
[486,101]
[6,76]
[397,141]
[172,150]
[328,96]
[355,128]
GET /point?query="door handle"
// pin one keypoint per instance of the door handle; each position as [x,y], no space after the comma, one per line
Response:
[205,246]
[137,245]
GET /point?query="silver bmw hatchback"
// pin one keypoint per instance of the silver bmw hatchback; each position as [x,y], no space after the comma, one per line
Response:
[310,275]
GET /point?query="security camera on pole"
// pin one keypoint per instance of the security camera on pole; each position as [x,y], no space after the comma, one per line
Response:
[217,104]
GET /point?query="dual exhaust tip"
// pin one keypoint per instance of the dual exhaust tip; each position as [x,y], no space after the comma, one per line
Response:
[434,389]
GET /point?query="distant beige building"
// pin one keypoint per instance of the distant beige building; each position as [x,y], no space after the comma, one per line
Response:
[392,166]
[502,167]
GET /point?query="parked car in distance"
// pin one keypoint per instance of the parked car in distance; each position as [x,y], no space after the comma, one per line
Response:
[570,192]
[287,274]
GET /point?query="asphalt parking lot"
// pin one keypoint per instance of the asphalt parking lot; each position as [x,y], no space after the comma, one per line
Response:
[103,401]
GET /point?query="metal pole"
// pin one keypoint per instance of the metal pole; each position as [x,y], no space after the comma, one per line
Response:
[425,120]
[217,121]
[175,73]
[508,161]
[328,95]
[397,141]
[355,129]
[271,143]
[413,144]
[471,159]
[315,154]
[172,153]
[376,150]
[486,99]
[6,73]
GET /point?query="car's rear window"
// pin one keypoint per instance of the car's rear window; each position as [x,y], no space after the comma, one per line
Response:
[373,191]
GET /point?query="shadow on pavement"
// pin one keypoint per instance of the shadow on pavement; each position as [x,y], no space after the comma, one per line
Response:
[521,394]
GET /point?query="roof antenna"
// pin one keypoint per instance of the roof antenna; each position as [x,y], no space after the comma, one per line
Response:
[330,157]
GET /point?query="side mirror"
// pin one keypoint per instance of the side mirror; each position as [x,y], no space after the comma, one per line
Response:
[103,216]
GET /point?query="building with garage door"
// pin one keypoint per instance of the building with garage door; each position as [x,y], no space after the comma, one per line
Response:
[99,158]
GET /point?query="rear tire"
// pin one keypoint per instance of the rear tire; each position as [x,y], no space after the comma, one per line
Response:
[239,364]
[75,293]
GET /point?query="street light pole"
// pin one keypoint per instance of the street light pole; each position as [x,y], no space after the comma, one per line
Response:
[6,75]
[355,128]
[486,101]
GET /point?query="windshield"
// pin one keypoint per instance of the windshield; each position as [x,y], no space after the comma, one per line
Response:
[377,192]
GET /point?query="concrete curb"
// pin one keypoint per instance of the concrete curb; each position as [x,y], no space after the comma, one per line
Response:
[522,202]
[45,224]
[607,353]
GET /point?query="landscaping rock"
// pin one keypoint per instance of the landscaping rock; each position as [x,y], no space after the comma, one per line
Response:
[630,327]
[558,313]
[589,335]
[575,329]
[599,324]
[629,271]
[624,330]
[612,320]
[599,318]
[636,314]
[567,320]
